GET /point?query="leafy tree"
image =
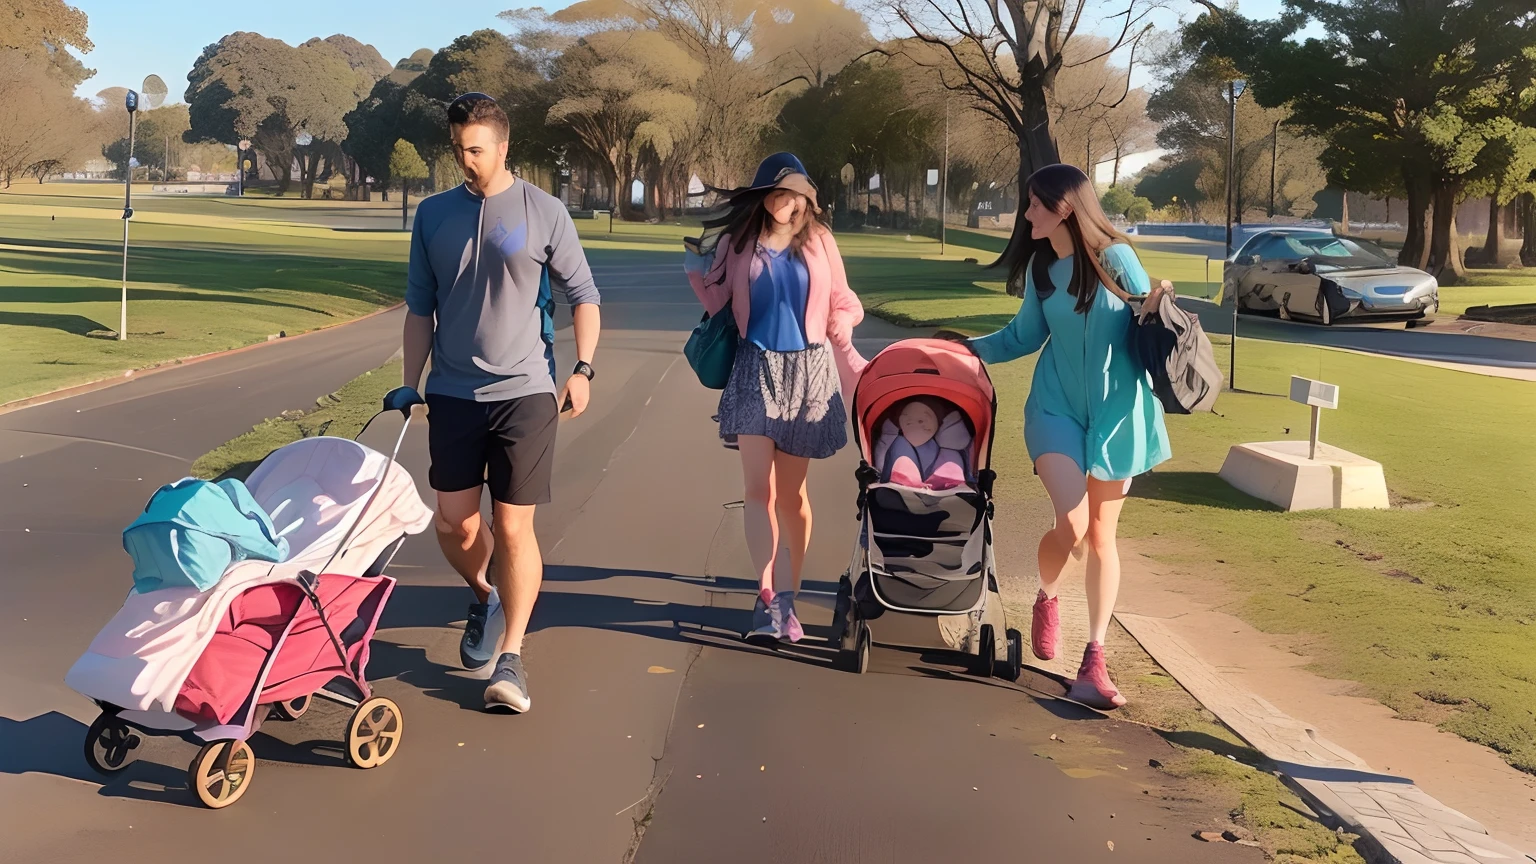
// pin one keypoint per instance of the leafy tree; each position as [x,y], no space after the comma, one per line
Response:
[41,121]
[405,164]
[621,93]
[284,99]
[45,30]
[1162,183]
[1405,95]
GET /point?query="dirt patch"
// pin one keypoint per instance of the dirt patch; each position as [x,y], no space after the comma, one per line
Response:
[1520,313]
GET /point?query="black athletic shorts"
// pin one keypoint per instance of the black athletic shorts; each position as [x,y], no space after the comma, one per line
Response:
[509,446]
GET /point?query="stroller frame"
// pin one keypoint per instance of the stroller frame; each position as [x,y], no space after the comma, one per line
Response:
[221,771]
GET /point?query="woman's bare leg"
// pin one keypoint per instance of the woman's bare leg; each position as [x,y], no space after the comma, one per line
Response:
[794,510]
[759,516]
[1105,499]
[1067,486]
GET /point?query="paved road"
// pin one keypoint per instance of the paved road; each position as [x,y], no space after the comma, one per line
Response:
[649,712]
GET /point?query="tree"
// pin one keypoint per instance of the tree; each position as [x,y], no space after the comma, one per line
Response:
[1192,112]
[155,129]
[45,30]
[405,165]
[41,121]
[1008,56]
[621,92]
[1405,95]
[248,86]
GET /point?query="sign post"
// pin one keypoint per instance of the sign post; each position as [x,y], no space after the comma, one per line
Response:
[245,145]
[1318,396]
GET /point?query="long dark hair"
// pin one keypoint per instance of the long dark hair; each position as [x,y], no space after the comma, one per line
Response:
[1091,232]
[744,216]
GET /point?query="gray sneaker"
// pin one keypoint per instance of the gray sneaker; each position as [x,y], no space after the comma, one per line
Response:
[509,685]
[767,622]
[482,632]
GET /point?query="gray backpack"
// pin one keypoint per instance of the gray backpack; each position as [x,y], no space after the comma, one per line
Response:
[1175,351]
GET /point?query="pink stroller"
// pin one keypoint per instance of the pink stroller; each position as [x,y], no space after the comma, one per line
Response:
[210,666]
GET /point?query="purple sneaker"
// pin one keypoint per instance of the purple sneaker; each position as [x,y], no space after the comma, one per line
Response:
[789,623]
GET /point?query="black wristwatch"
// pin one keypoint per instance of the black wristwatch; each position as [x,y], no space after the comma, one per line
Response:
[583,368]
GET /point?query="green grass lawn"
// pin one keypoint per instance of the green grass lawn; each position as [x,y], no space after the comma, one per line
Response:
[198,282]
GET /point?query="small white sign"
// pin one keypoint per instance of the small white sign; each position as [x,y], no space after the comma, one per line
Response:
[933,176]
[1314,393]
[874,183]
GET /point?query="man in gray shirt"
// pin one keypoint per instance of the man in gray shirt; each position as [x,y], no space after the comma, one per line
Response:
[485,257]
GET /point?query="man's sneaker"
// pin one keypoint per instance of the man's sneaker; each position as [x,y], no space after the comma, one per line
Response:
[482,632]
[767,620]
[509,685]
[789,624]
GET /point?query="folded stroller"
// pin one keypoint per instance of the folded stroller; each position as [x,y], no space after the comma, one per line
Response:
[210,665]
[923,560]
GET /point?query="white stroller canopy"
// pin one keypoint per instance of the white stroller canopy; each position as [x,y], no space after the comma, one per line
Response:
[315,488]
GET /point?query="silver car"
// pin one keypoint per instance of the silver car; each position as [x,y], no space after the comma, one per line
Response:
[1313,275]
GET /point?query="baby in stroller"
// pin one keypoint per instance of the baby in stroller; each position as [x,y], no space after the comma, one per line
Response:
[919,450]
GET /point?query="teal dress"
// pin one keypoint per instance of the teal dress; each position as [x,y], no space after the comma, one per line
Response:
[1091,399]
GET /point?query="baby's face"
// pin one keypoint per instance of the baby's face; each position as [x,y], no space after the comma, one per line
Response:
[918,424]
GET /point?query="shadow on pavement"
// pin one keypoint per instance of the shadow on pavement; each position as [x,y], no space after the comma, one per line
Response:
[53,744]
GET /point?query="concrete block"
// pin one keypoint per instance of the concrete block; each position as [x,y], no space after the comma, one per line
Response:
[1281,473]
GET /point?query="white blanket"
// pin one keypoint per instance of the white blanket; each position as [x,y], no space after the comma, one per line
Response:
[314,489]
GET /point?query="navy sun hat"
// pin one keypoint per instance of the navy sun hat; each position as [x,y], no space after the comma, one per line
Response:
[784,171]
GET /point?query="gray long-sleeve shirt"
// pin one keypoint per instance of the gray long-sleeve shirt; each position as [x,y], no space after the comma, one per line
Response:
[485,267]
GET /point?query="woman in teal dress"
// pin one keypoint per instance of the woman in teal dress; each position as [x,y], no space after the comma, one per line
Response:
[1091,422]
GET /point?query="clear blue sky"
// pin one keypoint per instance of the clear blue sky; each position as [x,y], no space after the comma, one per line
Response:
[164,37]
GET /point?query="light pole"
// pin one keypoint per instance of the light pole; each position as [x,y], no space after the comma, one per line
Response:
[131,102]
[944,184]
[1234,92]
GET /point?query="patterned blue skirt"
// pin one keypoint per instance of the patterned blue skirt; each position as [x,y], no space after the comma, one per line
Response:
[791,397]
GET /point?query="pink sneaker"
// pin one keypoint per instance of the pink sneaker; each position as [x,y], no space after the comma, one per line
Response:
[1045,626]
[1093,687]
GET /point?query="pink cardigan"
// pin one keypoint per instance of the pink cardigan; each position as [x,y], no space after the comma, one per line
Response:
[728,278]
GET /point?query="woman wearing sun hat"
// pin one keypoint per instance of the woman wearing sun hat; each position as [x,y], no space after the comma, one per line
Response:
[774,266]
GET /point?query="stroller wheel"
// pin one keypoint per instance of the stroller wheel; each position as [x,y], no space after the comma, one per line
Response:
[856,659]
[986,652]
[221,772]
[293,709]
[373,733]
[110,744]
[1015,666]
[861,649]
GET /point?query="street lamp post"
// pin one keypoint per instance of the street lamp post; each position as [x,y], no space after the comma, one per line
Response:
[944,185]
[131,102]
[1234,92]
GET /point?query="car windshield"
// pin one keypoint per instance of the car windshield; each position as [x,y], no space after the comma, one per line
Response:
[1326,251]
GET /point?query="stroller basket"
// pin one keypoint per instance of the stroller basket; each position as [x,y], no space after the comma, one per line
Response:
[925,551]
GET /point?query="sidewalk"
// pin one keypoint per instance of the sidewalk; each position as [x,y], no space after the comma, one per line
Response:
[1249,680]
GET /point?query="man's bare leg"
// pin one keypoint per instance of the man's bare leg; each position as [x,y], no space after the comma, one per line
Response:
[517,571]
[464,539]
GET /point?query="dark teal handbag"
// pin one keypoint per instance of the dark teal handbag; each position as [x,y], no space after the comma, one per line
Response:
[711,349]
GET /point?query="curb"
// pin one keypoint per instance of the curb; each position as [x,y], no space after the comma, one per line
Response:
[174,363]
[1398,822]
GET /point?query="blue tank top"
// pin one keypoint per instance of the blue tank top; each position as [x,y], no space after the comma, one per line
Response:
[779,292]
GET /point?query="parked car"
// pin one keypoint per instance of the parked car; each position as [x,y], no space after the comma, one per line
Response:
[1313,275]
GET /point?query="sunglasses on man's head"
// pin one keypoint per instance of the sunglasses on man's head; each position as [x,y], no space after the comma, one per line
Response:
[458,109]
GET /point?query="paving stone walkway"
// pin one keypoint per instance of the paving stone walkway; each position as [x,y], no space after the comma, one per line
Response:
[1399,822]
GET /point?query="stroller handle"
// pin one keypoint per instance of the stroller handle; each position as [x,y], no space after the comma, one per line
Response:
[401,399]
